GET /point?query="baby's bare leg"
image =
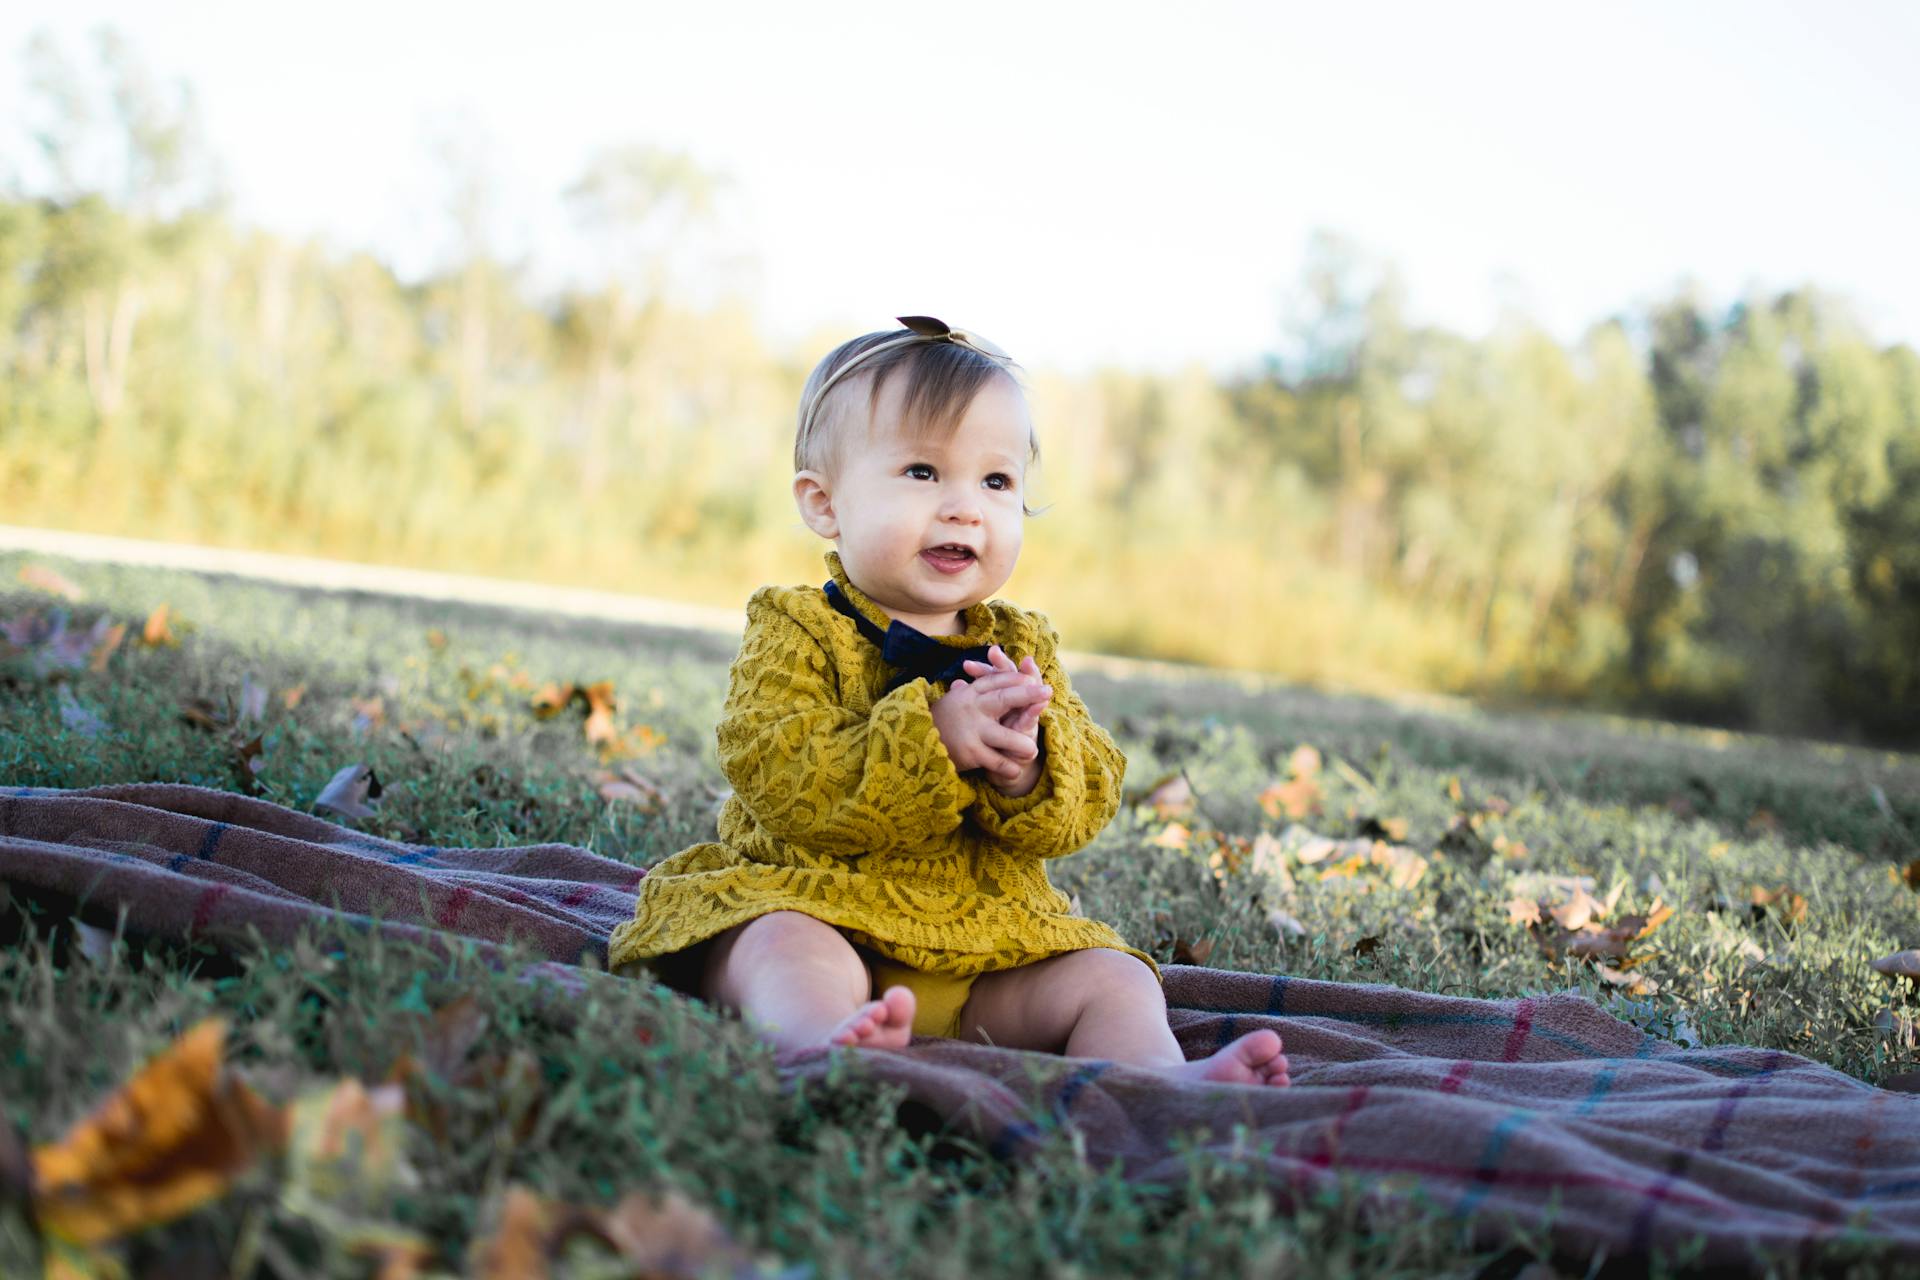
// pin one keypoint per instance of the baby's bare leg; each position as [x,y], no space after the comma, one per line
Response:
[802,985]
[1101,1003]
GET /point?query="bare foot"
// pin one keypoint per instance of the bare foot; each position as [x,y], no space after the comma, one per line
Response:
[886,1023]
[1254,1058]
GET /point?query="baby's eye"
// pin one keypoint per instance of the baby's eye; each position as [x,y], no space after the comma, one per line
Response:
[920,471]
[999,480]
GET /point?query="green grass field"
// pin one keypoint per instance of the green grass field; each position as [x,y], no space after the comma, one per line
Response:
[1785,866]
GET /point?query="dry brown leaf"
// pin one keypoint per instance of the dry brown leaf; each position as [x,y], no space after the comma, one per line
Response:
[1789,906]
[552,700]
[353,793]
[104,647]
[158,629]
[1171,797]
[516,1248]
[247,764]
[1194,953]
[629,787]
[600,709]
[41,578]
[1392,830]
[670,1236]
[1173,836]
[1364,949]
[1295,798]
[1578,910]
[173,1137]
[1633,984]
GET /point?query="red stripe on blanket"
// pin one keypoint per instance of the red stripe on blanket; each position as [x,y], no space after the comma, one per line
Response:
[203,907]
[1522,1027]
[578,894]
[1330,1150]
[1456,1077]
[455,905]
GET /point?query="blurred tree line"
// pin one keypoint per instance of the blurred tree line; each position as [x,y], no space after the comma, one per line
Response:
[1704,513]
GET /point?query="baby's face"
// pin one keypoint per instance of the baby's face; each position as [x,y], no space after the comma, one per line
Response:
[929,527]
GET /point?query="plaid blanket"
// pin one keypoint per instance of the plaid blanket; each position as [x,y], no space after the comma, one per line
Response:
[1537,1116]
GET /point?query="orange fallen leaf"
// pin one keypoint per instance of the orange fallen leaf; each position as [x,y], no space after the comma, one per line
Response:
[1194,953]
[629,787]
[42,578]
[600,708]
[291,698]
[247,764]
[109,641]
[158,629]
[1171,797]
[1173,836]
[173,1137]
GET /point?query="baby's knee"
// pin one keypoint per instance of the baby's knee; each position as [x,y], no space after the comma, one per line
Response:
[1103,970]
[794,942]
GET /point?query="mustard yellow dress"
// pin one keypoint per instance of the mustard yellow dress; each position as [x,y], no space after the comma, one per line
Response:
[847,808]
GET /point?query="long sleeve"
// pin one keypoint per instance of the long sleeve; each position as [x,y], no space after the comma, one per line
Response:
[1080,777]
[815,773]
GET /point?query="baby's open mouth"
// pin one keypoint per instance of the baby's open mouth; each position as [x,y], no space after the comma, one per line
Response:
[948,557]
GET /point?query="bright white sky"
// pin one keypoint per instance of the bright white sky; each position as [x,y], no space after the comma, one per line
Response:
[1095,181]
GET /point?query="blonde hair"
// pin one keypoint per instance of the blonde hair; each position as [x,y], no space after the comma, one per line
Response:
[942,380]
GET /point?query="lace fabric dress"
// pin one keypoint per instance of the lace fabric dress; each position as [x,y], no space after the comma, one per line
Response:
[846,806]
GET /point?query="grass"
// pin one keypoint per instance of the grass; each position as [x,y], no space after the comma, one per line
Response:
[828,1179]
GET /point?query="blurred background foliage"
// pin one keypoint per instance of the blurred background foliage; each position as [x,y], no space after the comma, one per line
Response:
[1703,512]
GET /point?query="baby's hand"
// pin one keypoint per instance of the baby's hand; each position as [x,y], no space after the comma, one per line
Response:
[1025,721]
[972,722]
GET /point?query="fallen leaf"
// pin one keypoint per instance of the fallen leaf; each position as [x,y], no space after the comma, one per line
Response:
[436,639]
[41,578]
[1294,798]
[1286,926]
[368,713]
[159,628]
[170,1139]
[1633,984]
[669,1235]
[347,1146]
[247,764]
[291,698]
[1789,906]
[1194,953]
[253,699]
[1912,875]
[1173,836]
[641,740]
[628,787]
[1523,911]
[1171,797]
[76,717]
[353,793]
[1578,910]
[552,700]
[1393,830]
[517,1248]
[104,647]
[600,708]
[202,714]
[1364,949]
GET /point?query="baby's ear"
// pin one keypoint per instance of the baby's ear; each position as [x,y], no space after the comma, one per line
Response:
[811,495]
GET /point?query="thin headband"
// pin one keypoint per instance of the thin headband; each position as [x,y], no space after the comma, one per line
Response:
[923,329]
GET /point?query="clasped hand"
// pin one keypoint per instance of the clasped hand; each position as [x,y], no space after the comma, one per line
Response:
[991,720]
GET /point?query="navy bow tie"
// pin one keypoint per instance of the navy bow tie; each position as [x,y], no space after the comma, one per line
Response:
[916,654]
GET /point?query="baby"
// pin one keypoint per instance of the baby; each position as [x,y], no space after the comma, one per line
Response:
[905,754]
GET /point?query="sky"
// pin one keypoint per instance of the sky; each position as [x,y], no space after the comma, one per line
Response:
[1110,183]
